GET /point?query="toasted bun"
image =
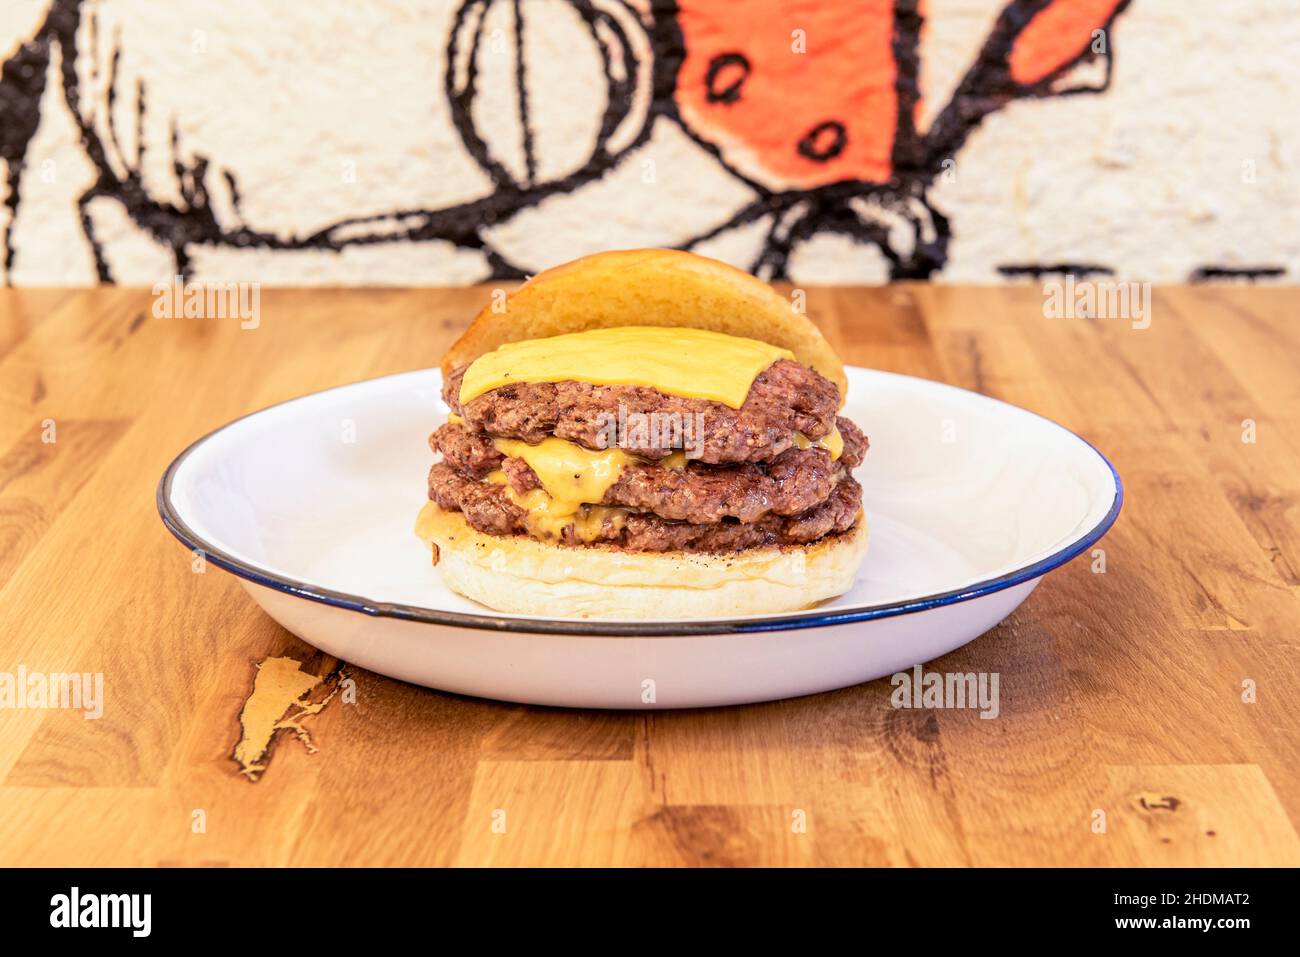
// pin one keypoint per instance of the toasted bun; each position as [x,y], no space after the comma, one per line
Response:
[647,287]
[522,576]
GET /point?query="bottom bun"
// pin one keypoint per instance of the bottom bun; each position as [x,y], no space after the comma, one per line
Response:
[527,577]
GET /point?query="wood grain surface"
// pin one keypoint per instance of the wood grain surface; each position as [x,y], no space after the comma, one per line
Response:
[1125,692]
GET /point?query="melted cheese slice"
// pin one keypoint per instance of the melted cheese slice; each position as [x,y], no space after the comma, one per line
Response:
[690,363]
[574,480]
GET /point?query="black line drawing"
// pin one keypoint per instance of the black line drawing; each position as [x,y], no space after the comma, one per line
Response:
[631,45]
[1039,270]
[1246,273]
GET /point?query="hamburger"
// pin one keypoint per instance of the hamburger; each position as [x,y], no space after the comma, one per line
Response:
[644,434]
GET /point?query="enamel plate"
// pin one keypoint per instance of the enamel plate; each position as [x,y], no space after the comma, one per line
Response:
[312,503]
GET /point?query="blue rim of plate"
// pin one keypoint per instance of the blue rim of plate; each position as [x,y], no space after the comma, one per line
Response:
[626,629]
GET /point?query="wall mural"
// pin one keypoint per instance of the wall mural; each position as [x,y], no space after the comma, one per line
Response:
[814,108]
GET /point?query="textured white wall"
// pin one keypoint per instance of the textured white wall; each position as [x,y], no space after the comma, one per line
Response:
[1187,161]
[335,111]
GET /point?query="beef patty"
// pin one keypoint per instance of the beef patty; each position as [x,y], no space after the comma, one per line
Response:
[488,508]
[785,398]
[793,482]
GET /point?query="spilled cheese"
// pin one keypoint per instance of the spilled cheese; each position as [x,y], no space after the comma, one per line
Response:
[567,471]
[574,480]
[832,443]
[690,363]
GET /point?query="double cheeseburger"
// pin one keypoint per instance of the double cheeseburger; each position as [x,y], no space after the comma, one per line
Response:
[645,434]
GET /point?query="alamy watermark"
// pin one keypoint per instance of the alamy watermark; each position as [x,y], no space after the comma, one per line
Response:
[209,300]
[651,431]
[75,909]
[77,691]
[941,690]
[1089,299]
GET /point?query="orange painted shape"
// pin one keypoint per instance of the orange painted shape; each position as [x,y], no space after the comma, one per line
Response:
[1056,36]
[838,98]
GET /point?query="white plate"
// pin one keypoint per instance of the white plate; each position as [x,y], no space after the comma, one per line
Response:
[312,503]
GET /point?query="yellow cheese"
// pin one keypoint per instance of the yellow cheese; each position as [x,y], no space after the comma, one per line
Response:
[567,471]
[833,443]
[574,480]
[691,363]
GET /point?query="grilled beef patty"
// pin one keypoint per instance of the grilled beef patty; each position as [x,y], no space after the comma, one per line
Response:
[784,399]
[488,508]
[793,482]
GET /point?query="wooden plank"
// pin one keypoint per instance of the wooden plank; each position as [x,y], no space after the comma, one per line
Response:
[1121,691]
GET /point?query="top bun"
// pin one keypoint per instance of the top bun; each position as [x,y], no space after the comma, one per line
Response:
[647,287]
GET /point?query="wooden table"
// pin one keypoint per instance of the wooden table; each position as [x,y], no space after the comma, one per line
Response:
[1121,692]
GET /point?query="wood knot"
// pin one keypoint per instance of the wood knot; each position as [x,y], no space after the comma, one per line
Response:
[1158,802]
